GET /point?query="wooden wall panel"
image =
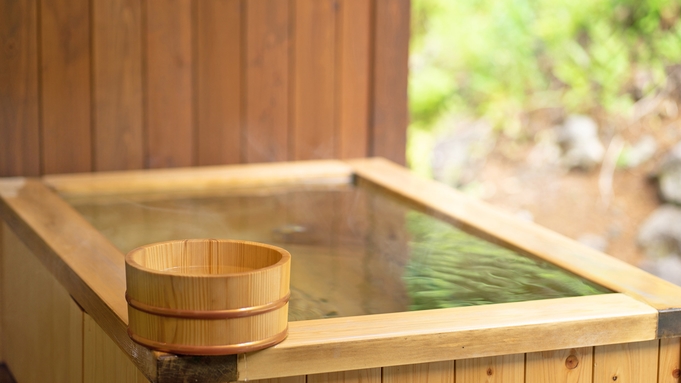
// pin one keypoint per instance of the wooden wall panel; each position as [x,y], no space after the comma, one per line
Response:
[313,122]
[43,334]
[19,129]
[218,76]
[560,366]
[169,83]
[670,361]
[291,379]
[65,75]
[390,69]
[352,71]
[117,85]
[372,375]
[438,372]
[498,369]
[103,361]
[626,363]
[266,92]
[127,84]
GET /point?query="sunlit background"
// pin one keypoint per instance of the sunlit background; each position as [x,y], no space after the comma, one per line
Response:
[561,112]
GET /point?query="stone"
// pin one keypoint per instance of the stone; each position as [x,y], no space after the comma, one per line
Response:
[578,138]
[669,176]
[660,233]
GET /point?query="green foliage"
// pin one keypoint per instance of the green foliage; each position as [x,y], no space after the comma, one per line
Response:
[497,59]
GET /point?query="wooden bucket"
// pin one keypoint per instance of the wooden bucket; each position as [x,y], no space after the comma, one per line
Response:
[208,296]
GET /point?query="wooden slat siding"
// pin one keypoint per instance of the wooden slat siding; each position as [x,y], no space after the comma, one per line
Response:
[169,83]
[19,129]
[352,113]
[497,369]
[103,360]
[117,85]
[438,372]
[626,363]
[670,361]
[372,375]
[560,366]
[65,73]
[218,76]
[313,130]
[389,72]
[44,336]
[266,81]
[290,379]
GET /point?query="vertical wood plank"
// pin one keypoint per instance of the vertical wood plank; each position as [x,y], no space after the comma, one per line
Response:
[65,70]
[313,130]
[2,303]
[19,129]
[42,323]
[626,363]
[560,366]
[353,78]
[218,63]
[372,375]
[103,361]
[438,372]
[291,379]
[117,76]
[390,71]
[169,90]
[498,369]
[267,81]
[670,360]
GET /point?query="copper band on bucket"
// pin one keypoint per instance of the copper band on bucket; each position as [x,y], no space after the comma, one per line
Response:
[209,314]
[210,350]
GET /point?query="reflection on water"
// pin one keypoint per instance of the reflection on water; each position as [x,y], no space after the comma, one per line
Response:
[354,251]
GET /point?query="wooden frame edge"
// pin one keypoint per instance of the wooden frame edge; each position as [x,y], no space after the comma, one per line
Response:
[527,237]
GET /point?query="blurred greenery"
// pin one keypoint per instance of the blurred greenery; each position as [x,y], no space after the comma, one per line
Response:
[451,268]
[498,59]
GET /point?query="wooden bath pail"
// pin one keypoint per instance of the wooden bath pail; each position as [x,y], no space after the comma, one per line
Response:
[208,296]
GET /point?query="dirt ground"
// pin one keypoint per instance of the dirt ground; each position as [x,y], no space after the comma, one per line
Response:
[602,206]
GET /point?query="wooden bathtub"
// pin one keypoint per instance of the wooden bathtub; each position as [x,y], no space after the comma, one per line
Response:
[64,314]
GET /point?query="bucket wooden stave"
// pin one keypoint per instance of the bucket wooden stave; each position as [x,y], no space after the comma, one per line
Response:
[208,296]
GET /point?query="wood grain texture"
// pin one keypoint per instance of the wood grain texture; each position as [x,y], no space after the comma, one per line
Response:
[266,81]
[313,120]
[439,372]
[217,282]
[169,96]
[19,129]
[670,361]
[203,179]
[117,85]
[486,221]
[372,375]
[85,263]
[65,87]
[218,76]
[499,369]
[338,344]
[103,360]
[352,72]
[290,379]
[43,324]
[3,227]
[626,363]
[560,366]
[389,73]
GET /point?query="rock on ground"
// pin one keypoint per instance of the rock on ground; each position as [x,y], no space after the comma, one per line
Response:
[660,233]
[578,137]
[669,176]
